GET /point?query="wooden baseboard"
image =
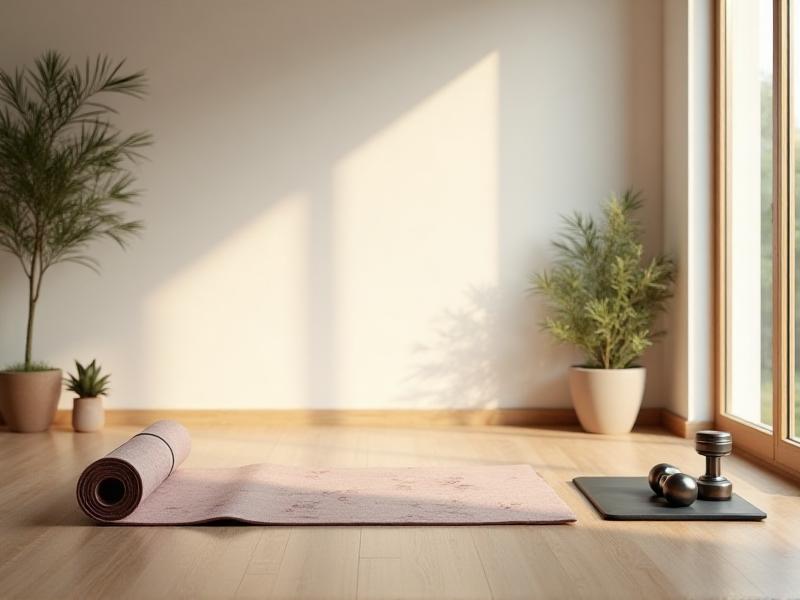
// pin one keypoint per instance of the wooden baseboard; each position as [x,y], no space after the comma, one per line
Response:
[680,426]
[519,417]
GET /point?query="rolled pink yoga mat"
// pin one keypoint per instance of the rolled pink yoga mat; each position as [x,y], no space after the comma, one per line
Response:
[141,483]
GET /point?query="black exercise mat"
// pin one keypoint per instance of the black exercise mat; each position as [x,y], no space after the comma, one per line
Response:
[631,499]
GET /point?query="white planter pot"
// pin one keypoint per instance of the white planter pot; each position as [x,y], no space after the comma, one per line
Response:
[88,414]
[607,400]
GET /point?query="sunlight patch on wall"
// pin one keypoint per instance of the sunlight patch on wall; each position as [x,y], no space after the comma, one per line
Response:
[229,331]
[415,211]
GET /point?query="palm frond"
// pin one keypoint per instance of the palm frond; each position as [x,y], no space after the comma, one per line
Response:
[64,166]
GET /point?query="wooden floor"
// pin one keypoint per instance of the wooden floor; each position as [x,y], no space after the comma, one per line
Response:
[49,550]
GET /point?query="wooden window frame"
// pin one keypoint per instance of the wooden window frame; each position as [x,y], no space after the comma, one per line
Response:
[774,447]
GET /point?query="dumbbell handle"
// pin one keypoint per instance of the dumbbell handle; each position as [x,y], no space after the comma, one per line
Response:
[713,467]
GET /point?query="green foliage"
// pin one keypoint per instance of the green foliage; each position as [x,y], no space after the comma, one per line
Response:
[31,367]
[603,296]
[64,167]
[88,383]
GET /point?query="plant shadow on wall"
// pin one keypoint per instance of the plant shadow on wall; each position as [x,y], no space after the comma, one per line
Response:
[483,353]
[460,365]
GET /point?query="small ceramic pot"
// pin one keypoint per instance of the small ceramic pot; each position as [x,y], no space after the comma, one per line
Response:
[88,414]
[607,400]
[28,400]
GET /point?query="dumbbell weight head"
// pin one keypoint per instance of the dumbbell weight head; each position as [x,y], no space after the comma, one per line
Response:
[654,477]
[679,489]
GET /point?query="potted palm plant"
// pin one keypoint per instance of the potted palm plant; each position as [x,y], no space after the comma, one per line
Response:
[90,387]
[64,176]
[604,298]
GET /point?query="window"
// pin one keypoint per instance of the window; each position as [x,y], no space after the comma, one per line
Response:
[749,248]
[758,271]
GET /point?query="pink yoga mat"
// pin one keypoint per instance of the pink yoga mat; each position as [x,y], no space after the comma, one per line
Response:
[141,483]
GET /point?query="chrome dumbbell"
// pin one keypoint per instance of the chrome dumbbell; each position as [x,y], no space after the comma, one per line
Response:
[714,445]
[677,488]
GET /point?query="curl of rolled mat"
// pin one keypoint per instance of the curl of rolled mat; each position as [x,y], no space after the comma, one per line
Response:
[112,487]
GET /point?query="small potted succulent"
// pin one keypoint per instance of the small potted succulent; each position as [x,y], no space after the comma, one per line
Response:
[604,298]
[65,177]
[87,411]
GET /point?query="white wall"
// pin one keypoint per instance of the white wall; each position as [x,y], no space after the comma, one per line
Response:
[687,178]
[346,199]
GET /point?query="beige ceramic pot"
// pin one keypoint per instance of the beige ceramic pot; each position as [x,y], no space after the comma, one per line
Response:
[88,414]
[607,400]
[28,400]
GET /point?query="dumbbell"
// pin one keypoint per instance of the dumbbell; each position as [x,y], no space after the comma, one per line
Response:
[714,445]
[679,489]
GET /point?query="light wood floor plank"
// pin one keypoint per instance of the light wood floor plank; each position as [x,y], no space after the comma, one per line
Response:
[319,562]
[262,569]
[49,550]
[519,566]
[420,562]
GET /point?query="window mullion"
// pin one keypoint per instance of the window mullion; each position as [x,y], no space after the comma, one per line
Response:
[781,256]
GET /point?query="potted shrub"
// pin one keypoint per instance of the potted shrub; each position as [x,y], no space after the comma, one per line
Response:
[87,409]
[29,394]
[63,178]
[603,298]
